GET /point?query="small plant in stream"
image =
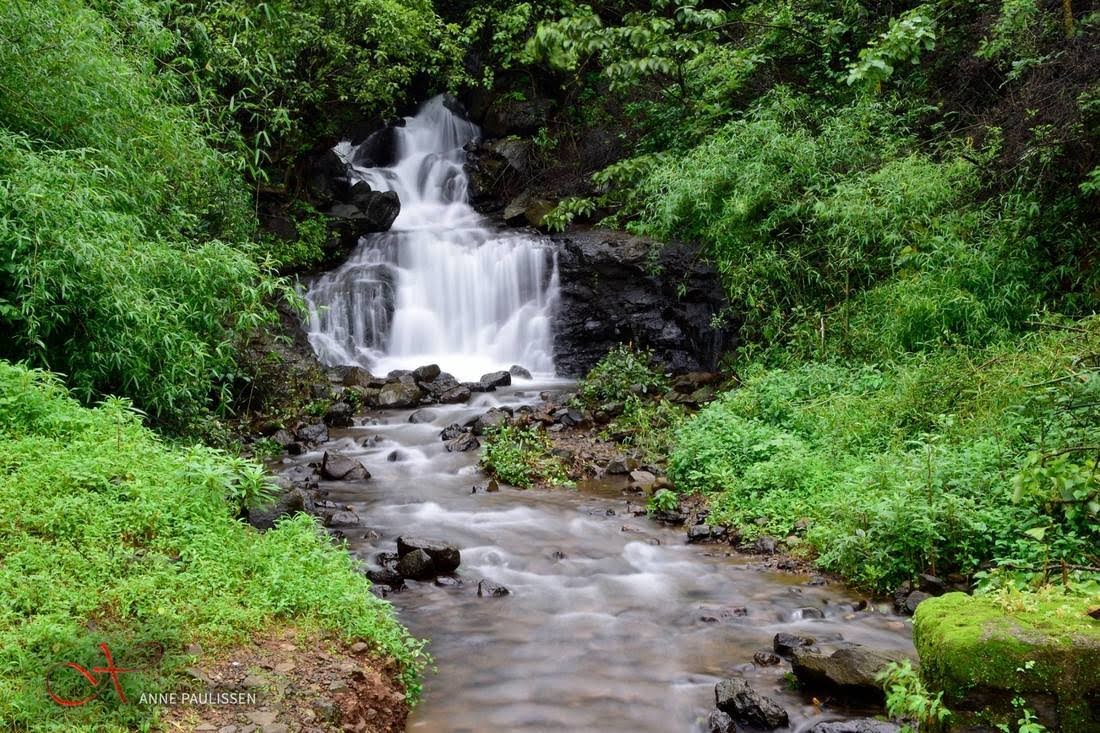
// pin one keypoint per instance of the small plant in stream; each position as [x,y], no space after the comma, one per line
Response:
[663,501]
[908,699]
[622,373]
[520,456]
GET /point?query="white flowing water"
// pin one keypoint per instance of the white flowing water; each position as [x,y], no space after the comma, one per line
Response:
[442,286]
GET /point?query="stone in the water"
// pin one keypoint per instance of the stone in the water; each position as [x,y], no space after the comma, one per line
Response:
[339,415]
[785,643]
[386,576]
[807,612]
[342,519]
[859,725]
[451,432]
[851,671]
[394,456]
[720,722]
[496,379]
[617,466]
[421,416]
[913,600]
[464,442]
[766,545]
[426,373]
[492,486]
[399,394]
[458,393]
[447,581]
[313,433]
[445,557]
[489,589]
[416,565]
[336,467]
[766,659]
[491,419]
[739,700]
[698,533]
[517,371]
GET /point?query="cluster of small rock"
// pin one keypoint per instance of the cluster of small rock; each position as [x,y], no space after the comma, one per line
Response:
[847,675]
[422,559]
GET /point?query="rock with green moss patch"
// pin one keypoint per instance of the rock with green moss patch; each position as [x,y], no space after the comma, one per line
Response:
[984,652]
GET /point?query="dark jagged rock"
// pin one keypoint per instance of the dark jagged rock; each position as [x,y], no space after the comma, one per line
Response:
[386,576]
[719,722]
[849,672]
[739,700]
[291,501]
[421,416]
[416,565]
[456,394]
[519,372]
[464,442]
[785,644]
[336,467]
[451,432]
[426,373]
[314,433]
[489,589]
[399,394]
[610,295]
[516,116]
[482,424]
[339,415]
[766,659]
[497,379]
[341,518]
[446,558]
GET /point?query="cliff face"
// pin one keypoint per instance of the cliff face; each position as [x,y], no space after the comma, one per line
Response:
[617,288]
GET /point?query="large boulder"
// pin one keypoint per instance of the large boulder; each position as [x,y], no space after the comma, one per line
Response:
[337,467]
[482,424]
[496,379]
[983,656]
[618,288]
[416,565]
[446,558]
[850,672]
[739,700]
[858,725]
[399,394]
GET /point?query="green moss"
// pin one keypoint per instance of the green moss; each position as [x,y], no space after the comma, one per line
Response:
[984,651]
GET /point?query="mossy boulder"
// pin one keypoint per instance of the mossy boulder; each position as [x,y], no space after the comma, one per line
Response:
[983,652]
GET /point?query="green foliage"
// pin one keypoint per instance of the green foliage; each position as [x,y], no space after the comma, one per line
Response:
[107,528]
[520,456]
[908,467]
[663,501]
[622,373]
[904,41]
[648,426]
[907,698]
[561,216]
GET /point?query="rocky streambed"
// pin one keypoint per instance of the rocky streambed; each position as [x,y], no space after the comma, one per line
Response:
[571,609]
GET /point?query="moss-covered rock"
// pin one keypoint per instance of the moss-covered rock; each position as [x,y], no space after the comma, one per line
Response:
[983,652]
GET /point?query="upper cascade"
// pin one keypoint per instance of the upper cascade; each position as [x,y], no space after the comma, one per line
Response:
[443,285]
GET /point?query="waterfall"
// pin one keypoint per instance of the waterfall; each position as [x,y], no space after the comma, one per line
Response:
[442,286]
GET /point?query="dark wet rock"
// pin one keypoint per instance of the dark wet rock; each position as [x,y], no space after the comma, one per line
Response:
[416,565]
[386,576]
[464,442]
[426,373]
[766,545]
[517,371]
[454,395]
[807,612]
[489,589]
[399,394]
[445,557]
[698,534]
[719,722]
[739,700]
[339,415]
[452,431]
[492,487]
[448,581]
[766,659]
[282,437]
[438,384]
[498,170]
[482,424]
[368,212]
[421,416]
[850,671]
[313,433]
[479,387]
[342,519]
[644,479]
[290,502]
[395,456]
[496,379]
[913,600]
[670,517]
[528,209]
[859,725]
[785,644]
[398,373]
[566,454]
[619,465]
[337,467]
[613,292]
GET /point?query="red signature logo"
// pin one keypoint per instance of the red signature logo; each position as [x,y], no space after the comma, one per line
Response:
[94,677]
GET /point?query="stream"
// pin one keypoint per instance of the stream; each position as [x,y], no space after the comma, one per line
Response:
[613,622]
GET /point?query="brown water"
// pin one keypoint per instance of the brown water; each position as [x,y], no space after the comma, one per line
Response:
[614,623]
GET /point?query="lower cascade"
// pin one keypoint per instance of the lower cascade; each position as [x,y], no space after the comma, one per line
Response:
[442,286]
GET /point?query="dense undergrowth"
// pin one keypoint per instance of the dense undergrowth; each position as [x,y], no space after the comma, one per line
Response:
[109,535]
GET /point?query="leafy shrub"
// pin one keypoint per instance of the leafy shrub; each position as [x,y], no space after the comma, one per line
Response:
[623,372]
[520,456]
[647,426]
[908,467]
[107,527]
